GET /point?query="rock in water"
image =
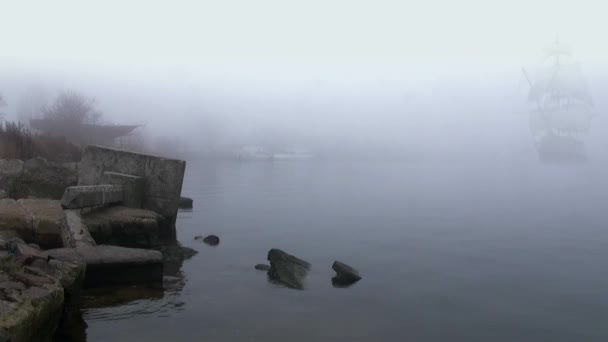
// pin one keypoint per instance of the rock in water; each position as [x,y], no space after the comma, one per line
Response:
[287,269]
[198,237]
[345,275]
[185,203]
[212,240]
[262,267]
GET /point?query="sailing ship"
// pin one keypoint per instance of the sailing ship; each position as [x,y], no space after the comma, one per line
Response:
[563,107]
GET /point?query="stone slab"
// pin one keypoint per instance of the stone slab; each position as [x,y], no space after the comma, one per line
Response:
[46,216]
[88,196]
[114,265]
[164,177]
[75,233]
[127,227]
[133,187]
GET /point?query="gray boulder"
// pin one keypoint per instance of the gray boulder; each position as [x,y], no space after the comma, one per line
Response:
[185,203]
[212,240]
[287,269]
[345,275]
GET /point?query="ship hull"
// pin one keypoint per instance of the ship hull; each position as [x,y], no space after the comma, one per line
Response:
[561,149]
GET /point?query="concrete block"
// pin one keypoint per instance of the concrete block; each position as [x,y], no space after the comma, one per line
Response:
[113,265]
[91,196]
[164,177]
[133,187]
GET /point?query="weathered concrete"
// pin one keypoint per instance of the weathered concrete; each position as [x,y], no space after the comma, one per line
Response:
[88,196]
[287,269]
[46,216]
[133,187]
[14,217]
[75,233]
[163,176]
[127,227]
[113,265]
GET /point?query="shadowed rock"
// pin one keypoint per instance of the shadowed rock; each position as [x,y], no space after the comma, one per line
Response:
[185,203]
[345,275]
[212,240]
[287,269]
[262,267]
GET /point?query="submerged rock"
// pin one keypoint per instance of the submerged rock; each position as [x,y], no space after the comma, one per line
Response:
[262,267]
[345,275]
[172,253]
[185,203]
[212,240]
[287,269]
[198,237]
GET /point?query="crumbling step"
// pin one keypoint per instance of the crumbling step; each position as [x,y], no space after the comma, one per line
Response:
[113,265]
[86,196]
[75,233]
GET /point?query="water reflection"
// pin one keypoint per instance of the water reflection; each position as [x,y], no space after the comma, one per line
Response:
[121,302]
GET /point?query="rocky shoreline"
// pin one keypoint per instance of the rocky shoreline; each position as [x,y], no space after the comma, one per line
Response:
[108,220]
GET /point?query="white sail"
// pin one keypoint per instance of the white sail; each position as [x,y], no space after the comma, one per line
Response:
[563,101]
[560,82]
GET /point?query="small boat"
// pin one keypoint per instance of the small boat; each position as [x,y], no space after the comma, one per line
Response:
[252,153]
[292,155]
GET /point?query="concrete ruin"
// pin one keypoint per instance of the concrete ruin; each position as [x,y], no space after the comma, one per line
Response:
[102,229]
[162,177]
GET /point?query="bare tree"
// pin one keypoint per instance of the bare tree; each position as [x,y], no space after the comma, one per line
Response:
[72,108]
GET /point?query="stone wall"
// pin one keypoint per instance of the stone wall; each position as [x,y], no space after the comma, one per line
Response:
[163,177]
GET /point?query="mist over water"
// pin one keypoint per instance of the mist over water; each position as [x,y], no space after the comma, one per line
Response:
[426,177]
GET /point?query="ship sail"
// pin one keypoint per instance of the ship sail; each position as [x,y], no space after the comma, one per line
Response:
[564,103]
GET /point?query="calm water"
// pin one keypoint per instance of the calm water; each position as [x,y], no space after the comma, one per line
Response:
[448,252]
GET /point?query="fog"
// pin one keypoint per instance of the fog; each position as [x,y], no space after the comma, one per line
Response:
[433,79]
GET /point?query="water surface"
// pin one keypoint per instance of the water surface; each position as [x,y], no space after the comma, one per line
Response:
[448,252]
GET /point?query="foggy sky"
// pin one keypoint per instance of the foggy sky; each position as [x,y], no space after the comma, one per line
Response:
[403,73]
